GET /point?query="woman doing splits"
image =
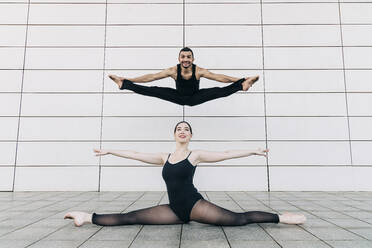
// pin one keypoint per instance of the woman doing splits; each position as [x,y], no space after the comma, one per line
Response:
[185,203]
[187,76]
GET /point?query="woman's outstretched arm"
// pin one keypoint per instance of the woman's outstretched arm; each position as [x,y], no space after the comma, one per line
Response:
[151,158]
[210,157]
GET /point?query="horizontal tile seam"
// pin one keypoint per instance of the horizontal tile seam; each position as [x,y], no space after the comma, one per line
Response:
[176,116]
[131,93]
[216,69]
[213,46]
[206,166]
[194,141]
[172,141]
[189,24]
[257,2]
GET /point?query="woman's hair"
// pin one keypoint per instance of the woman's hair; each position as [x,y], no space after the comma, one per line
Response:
[188,124]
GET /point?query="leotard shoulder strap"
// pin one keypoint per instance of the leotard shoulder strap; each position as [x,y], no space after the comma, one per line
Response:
[193,71]
[188,155]
[179,76]
[168,157]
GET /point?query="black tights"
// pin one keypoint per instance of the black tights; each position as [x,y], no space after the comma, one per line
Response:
[203,212]
[172,95]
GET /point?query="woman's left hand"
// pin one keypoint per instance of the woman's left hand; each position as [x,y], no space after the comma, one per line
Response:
[262,152]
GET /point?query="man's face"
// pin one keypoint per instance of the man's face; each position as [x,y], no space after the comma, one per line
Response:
[186,59]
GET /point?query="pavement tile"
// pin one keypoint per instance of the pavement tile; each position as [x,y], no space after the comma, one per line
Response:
[73,233]
[50,223]
[360,214]
[29,233]
[311,222]
[350,244]
[117,233]
[204,244]
[330,215]
[289,233]
[10,243]
[365,232]
[160,232]
[55,244]
[106,244]
[327,233]
[350,223]
[303,244]
[342,208]
[14,222]
[253,244]
[249,232]
[368,221]
[155,244]
[195,233]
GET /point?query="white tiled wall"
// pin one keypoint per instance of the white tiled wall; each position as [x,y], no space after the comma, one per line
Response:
[12,35]
[7,153]
[303,81]
[66,36]
[304,13]
[55,81]
[303,58]
[311,106]
[14,57]
[11,80]
[64,58]
[217,14]
[215,35]
[66,14]
[291,35]
[165,35]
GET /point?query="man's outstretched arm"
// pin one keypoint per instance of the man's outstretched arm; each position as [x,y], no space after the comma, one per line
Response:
[154,76]
[217,77]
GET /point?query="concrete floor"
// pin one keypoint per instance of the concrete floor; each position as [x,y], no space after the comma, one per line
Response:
[335,219]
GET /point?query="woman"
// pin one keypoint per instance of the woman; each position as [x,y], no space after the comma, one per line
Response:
[185,203]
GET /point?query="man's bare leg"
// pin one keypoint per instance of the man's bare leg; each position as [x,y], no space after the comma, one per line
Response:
[249,81]
[80,218]
[118,80]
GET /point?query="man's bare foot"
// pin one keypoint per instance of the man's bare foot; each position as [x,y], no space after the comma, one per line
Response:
[249,81]
[80,218]
[290,218]
[118,80]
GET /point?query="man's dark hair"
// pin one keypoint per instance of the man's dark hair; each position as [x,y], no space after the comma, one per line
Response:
[186,49]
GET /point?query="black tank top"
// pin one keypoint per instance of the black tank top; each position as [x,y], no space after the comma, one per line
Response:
[187,87]
[179,180]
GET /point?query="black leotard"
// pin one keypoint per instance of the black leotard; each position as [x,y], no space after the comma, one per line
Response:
[187,87]
[181,191]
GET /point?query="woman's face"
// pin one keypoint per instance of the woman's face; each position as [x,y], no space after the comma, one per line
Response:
[182,133]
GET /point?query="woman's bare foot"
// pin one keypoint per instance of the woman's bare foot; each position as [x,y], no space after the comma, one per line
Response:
[80,218]
[118,80]
[249,81]
[290,218]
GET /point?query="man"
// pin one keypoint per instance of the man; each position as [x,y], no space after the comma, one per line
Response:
[187,76]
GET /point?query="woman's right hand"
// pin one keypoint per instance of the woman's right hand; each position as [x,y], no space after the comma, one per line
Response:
[101,152]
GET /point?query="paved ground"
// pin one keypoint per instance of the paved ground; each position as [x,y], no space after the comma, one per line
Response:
[335,219]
